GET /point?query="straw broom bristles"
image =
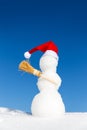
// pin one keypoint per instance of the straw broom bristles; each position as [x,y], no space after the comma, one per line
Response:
[25,66]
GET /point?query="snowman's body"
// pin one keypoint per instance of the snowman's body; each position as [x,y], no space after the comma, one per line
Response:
[48,103]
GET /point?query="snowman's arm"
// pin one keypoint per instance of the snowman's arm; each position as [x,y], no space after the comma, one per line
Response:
[50,80]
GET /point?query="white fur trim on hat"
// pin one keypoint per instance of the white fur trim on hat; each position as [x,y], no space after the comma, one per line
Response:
[52,53]
[27,55]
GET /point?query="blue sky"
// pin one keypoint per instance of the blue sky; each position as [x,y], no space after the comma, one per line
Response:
[26,24]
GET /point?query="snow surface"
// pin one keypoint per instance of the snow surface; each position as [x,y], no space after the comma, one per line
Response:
[18,120]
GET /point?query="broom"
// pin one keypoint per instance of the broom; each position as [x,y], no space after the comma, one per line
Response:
[25,66]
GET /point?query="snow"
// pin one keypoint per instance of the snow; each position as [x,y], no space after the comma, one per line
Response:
[18,120]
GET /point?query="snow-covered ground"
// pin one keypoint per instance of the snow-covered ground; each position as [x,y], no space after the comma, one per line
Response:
[18,120]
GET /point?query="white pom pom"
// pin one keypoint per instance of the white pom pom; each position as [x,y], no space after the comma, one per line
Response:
[27,55]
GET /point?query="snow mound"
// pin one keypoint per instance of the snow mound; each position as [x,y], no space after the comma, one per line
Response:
[18,120]
[7,111]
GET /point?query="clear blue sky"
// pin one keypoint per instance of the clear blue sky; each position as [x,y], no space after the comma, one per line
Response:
[26,24]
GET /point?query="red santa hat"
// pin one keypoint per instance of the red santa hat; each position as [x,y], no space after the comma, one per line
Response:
[49,48]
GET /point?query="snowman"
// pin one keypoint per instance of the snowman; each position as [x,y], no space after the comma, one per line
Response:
[48,102]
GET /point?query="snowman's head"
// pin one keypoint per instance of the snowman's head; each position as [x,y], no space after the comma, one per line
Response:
[48,62]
